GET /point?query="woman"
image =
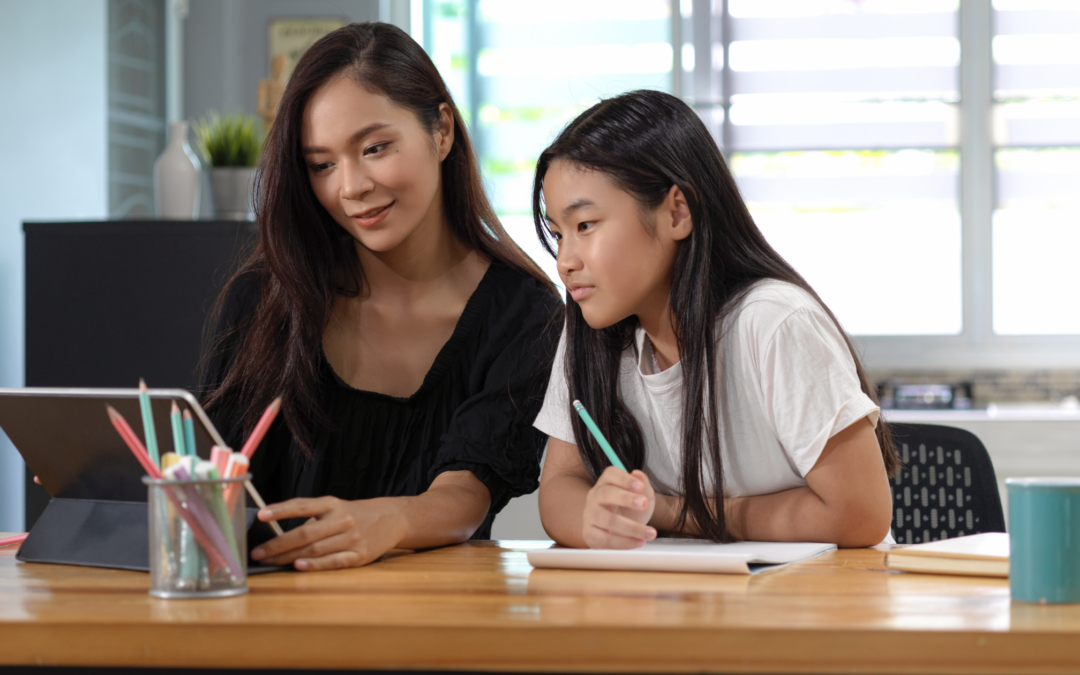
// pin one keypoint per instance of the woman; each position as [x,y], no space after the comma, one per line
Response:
[408,336]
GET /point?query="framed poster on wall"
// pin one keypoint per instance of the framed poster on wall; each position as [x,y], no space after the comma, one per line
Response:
[290,38]
[287,40]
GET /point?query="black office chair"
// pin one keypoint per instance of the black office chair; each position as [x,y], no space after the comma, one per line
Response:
[946,488]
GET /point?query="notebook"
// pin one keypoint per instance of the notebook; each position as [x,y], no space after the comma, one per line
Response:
[983,555]
[681,555]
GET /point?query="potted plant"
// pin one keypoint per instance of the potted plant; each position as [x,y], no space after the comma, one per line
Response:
[231,145]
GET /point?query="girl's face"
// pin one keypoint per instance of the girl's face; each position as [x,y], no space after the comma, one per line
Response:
[372,165]
[614,259]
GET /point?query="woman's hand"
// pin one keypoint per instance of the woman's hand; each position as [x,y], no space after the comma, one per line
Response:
[338,533]
[618,509]
[341,533]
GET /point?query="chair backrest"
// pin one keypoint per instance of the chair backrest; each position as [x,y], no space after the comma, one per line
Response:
[946,487]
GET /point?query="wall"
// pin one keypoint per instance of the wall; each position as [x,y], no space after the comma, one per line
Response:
[53,161]
[225,51]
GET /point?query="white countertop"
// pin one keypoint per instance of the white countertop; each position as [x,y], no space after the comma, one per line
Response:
[1019,413]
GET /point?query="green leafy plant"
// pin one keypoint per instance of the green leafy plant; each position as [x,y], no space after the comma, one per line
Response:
[229,140]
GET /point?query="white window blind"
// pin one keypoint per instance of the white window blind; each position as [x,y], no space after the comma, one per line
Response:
[842,130]
[1036,126]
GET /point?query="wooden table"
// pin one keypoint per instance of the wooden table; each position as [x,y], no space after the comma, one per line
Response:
[481,607]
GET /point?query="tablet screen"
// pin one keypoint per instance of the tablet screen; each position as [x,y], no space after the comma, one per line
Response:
[67,440]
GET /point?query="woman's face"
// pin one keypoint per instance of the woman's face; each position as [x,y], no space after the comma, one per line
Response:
[613,264]
[372,165]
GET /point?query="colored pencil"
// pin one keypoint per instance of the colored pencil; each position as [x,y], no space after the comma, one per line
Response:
[235,465]
[17,539]
[177,423]
[189,515]
[598,435]
[214,499]
[132,441]
[261,428]
[203,525]
[180,544]
[189,433]
[148,423]
[220,457]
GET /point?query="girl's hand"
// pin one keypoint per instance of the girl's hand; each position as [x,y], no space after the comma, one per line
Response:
[338,533]
[618,509]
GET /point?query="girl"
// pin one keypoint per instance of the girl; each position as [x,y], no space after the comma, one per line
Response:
[715,371]
[409,337]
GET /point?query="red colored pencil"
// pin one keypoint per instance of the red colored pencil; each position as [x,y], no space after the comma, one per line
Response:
[17,539]
[261,428]
[132,441]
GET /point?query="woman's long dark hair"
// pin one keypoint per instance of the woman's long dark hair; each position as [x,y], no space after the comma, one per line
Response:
[647,142]
[303,256]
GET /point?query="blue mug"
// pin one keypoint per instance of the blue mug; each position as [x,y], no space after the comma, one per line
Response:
[1044,539]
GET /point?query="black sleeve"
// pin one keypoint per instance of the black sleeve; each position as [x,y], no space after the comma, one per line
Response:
[491,433]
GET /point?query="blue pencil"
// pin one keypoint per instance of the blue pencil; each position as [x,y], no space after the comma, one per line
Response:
[598,435]
[189,433]
[148,424]
[177,424]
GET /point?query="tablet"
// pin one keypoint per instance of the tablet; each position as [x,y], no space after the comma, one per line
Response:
[67,440]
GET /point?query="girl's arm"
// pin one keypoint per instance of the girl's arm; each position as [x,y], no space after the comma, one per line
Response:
[342,533]
[847,499]
[613,513]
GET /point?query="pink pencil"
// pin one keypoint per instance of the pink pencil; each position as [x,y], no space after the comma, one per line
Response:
[261,428]
[220,457]
[133,443]
[8,541]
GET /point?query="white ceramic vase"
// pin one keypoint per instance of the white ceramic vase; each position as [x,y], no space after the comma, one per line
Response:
[233,187]
[177,177]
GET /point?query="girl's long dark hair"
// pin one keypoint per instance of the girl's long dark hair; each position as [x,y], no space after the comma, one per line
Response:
[303,257]
[647,142]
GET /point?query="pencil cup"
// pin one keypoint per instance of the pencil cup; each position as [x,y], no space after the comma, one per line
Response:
[198,545]
[1044,539]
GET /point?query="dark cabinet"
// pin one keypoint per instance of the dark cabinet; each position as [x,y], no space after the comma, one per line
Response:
[110,302]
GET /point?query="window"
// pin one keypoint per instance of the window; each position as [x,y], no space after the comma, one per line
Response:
[842,133]
[915,160]
[1036,127]
[520,71]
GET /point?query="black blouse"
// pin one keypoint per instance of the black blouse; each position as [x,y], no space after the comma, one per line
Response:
[474,410]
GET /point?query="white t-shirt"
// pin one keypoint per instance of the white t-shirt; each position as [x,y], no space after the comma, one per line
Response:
[789,386]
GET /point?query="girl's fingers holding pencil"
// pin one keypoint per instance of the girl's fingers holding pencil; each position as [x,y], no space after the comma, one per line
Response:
[612,496]
[623,535]
[627,481]
[615,523]
[607,540]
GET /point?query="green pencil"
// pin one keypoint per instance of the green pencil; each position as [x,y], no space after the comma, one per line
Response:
[215,501]
[189,433]
[177,430]
[148,423]
[598,435]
